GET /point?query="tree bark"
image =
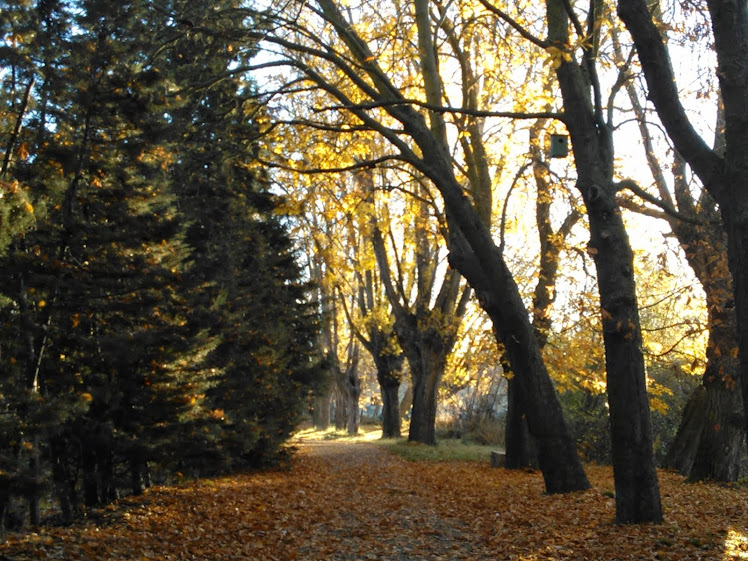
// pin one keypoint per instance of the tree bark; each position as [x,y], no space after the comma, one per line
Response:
[637,487]
[427,367]
[389,376]
[708,442]
[321,411]
[521,451]
[341,408]
[391,427]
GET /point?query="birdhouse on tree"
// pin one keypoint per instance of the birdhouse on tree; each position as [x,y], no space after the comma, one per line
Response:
[559,146]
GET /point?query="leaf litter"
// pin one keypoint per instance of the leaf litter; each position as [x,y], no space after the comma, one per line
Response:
[346,501]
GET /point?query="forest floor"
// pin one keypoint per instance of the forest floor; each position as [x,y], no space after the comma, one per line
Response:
[346,501]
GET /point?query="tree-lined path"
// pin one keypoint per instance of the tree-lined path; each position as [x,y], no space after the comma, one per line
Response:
[348,501]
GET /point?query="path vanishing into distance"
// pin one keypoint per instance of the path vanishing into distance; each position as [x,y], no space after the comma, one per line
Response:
[346,501]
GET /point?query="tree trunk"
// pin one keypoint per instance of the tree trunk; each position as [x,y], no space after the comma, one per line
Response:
[321,411]
[426,378]
[736,222]
[34,496]
[354,393]
[139,476]
[637,487]
[90,481]
[390,411]
[340,408]
[61,479]
[521,451]
[708,444]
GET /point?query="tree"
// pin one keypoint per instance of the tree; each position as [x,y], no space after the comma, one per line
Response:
[721,170]
[520,448]
[426,332]
[708,443]
[115,319]
[375,103]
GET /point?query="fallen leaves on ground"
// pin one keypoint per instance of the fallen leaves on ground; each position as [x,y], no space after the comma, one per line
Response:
[354,501]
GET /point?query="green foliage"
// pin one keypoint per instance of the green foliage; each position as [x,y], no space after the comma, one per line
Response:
[152,313]
[587,414]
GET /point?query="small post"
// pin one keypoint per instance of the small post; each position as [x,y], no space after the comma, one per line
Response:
[498,459]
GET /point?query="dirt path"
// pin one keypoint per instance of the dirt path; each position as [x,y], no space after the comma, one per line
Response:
[354,501]
[373,505]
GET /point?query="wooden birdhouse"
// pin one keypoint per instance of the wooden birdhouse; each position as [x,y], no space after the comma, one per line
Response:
[559,146]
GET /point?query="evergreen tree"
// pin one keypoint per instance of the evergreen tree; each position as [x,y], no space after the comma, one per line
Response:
[156,267]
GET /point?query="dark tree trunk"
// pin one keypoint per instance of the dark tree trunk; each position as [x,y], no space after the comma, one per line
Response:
[427,375]
[341,408]
[90,480]
[139,475]
[521,451]
[4,501]
[390,410]
[354,393]
[705,448]
[736,222]
[425,334]
[389,375]
[62,481]
[34,496]
[708,444]
[637,487]
[321,410]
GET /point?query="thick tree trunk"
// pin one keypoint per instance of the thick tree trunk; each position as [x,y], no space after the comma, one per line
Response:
[705,448]
[390,410]
[427,375]
[736,223]
[521,451]
[637,487]
[341,408]
[389,376]
[139,476]
[708,444]
[34,496]
[90,481]
[321,410]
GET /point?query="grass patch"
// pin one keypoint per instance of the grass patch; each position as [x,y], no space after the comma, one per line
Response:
[446,450]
